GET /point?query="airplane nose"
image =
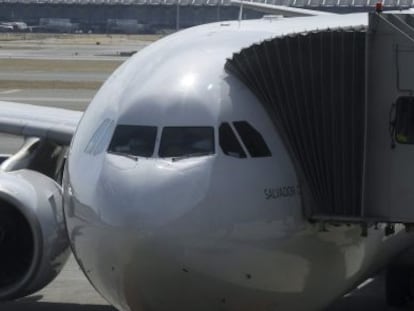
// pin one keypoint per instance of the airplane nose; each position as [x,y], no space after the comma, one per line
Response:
[135,208]
[152,192]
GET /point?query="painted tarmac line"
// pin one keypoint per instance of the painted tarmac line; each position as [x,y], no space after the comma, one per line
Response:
[10,91]
[47,99]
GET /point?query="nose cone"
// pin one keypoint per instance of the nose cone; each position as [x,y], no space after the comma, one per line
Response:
[139,207]
[149,193]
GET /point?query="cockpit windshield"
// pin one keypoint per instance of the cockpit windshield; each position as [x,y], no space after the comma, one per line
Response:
[133,140]
[186,141]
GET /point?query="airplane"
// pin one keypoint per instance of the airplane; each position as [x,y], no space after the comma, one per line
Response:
[14,26]
[176,189]
[128,26]
[6,28]
[63,25]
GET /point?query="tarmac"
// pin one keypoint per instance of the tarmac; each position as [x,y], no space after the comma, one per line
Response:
[71,291]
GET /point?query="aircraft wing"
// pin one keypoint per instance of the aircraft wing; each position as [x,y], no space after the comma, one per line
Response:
[278,9]
[55,124]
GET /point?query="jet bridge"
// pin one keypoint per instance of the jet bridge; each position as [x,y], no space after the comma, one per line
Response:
[343,103]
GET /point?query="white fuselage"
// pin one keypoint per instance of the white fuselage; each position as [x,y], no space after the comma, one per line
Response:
[211,232]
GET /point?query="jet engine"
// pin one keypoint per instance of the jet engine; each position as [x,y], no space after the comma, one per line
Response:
[33,240]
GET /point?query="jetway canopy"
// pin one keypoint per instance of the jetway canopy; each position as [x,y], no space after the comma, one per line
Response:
[330,95]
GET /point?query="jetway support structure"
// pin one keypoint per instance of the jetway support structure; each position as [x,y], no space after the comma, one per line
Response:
[389,143]
[343,102]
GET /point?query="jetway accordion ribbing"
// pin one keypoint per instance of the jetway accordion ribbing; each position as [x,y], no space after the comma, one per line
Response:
[313,88]
[343,102]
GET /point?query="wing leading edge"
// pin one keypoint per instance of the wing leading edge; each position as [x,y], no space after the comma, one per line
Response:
[55,124]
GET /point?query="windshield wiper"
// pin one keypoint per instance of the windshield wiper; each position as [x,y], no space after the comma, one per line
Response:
[190,155]
[129,156]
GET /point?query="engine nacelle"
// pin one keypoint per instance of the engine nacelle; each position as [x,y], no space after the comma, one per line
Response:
[33,240]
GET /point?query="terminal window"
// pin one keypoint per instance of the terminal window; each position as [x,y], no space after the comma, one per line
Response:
[404,126]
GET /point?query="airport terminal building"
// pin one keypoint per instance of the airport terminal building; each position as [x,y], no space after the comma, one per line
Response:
[140,16]
[118,15]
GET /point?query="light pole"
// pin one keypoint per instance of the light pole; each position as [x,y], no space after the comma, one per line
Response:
[177,16]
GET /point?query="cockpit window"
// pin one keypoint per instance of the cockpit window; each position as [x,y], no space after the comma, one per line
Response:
[186,141]
[134,140]
[252,139]
[96,143]
[229,142]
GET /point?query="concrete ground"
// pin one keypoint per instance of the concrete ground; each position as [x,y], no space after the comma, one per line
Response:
[71,291]
[70,46]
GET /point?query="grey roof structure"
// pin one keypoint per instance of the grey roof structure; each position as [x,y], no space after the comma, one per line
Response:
[295,3]
[125,2]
